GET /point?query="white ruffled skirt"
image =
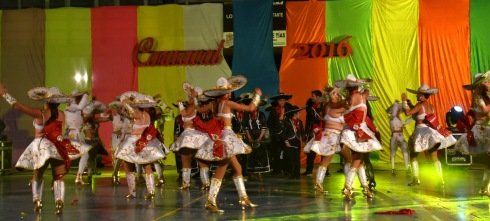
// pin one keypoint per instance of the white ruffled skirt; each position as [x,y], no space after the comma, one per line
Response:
[328,145]
[425,138]
[482,138]
[349,139]
[233,146]
[154,151]
[116,140]
[41,149]
[190,138]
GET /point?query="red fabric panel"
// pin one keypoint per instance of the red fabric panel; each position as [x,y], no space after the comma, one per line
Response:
[114,34]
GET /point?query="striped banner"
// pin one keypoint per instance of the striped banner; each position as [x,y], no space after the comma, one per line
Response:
[92,49]
[399,44]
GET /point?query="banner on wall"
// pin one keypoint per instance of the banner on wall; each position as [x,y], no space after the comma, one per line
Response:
[228,24]
[144,54]
[278,23]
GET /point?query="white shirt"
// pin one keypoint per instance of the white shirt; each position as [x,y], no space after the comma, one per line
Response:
[73,113]
[396,124]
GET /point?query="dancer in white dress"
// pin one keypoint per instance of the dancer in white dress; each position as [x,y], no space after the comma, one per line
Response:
[74,124]
[326,141]
[428,135]
[225,143]
[477,139]
[191,140]
[49,147]
[142,146]
[360,135]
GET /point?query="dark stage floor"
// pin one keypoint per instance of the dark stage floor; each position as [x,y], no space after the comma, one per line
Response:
[279,199]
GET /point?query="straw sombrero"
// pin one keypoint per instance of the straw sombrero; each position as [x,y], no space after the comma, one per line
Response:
[351,81]
[77,93]
[50,95]
[226,86]
[137,99]
[479,78]
[423,89]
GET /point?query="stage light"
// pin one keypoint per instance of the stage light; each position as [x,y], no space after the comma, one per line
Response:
[78,78]
[453,116]
[85,78]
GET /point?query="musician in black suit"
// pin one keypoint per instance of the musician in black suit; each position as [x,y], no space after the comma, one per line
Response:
[275,123]
[293,140]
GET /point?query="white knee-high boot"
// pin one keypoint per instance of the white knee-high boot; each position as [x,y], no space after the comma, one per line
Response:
[37,194]
[349,180]
[131,180]
[438,167]
[211,204]
[150,186]
[186,178]
[244,201]
[415,173]
[59,195]
[204,174]
[82,164]
[320,176]
[364,182]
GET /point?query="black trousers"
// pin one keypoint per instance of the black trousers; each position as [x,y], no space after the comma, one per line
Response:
[310,161]
[178,163]
[292,158]
[276,153]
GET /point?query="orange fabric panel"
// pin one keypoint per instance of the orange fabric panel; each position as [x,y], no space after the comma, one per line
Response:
[444,52]
[305,23]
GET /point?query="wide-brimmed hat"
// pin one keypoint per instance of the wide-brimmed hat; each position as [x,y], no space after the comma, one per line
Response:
[247,98]
[204,99]
[281,96]
[137,99]
[226,86]
[293,110]
[479,78]
[423,89]
[351,81]
[78,92]
[50,95]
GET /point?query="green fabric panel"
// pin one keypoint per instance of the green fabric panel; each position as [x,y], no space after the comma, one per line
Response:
[68,48]
[352,18]
[480,36]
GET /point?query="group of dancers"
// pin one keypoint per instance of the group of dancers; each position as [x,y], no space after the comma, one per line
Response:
[342,124]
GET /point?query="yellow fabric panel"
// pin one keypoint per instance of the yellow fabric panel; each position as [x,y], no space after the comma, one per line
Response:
[396,56]
[166,25]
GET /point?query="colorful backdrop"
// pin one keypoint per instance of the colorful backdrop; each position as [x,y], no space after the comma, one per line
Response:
[49,47]
[397,43]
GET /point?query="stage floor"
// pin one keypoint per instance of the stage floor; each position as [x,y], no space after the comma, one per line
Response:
[279,199]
